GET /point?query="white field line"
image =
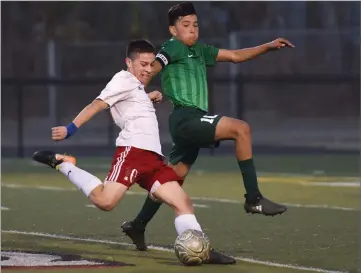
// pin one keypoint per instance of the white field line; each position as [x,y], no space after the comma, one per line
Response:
[49,188]
[4,208]
[313,174]
[201,206]
[340,184]
[206,199]
[230,201]
[244,259]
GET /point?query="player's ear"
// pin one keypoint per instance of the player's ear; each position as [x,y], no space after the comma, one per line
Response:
[129,62]
[172,30]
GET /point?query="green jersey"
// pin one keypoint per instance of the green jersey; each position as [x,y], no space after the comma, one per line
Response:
[184,76]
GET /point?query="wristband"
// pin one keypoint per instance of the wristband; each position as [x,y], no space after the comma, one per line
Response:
[71,130]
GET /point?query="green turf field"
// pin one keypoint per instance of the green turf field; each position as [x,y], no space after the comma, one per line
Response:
[42,211]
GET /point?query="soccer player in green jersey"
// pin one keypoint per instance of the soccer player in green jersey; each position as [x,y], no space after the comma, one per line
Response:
[182,61]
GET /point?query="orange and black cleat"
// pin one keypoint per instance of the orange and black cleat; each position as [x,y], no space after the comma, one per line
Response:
[52,159]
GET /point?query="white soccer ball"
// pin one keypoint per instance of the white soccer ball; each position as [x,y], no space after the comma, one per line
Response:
[192,247]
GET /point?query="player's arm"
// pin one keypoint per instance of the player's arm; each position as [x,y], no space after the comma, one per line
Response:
[242,55]
[62,132]
[116,90]
[89,111]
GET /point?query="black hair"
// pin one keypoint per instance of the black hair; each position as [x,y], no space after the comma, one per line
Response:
[180,10]
[139,46]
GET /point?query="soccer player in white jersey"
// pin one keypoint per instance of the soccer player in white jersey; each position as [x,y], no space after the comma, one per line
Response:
[138,157]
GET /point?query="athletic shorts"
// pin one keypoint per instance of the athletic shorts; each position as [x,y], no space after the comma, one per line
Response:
[132,165]
[191,129]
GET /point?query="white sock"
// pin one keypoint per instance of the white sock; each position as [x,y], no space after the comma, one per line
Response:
[186,221]
[80,178]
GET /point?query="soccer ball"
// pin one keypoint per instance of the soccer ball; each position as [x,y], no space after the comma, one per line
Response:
[192,247]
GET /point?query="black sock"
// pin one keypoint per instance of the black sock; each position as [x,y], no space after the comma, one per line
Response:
[146,214]
[249,177]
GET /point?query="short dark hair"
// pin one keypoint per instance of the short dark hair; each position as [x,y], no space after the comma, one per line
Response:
[139,46]
[180,10]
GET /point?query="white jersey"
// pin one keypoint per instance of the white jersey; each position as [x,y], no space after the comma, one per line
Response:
[133,112]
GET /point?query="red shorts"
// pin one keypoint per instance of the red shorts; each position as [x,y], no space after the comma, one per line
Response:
[132,165]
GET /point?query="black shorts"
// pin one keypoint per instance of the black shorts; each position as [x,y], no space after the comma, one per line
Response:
[191,129]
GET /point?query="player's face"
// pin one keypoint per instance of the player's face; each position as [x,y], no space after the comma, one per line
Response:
[140,66]
[186,29]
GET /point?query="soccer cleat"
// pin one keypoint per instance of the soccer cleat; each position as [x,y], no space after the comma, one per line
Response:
[52,159]
[263,206]
[136,234]
[216,257]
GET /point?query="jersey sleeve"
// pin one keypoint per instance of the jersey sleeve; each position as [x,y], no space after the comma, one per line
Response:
[168,53]
[118,89]
[210,54]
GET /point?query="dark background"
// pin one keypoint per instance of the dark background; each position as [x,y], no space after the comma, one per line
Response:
[296,101]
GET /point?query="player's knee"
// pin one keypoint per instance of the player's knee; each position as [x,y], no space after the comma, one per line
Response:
[105,204]
[106,207]
[242,129]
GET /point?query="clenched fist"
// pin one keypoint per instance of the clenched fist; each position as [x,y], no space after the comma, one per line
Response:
[59,133]
[155,96]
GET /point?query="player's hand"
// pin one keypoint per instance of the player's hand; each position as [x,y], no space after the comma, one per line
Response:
[58,133]
[155,96]
[279,43]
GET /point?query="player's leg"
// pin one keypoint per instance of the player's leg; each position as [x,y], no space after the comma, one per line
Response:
[186,157]
[135,229]
[172,194]
[105,196]
[239,131]
[162,185]
[203,130]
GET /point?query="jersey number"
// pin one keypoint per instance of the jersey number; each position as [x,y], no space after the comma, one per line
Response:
[209,119]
